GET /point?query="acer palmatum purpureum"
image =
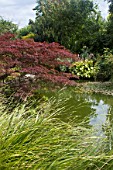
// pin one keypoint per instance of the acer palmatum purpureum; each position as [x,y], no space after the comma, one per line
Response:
[20,57]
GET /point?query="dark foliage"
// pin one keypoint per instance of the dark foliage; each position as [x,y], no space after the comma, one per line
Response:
[24,63]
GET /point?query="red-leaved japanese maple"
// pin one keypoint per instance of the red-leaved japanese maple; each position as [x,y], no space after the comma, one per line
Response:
[20,58]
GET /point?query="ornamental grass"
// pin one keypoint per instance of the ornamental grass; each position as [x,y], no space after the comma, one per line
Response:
[37,139]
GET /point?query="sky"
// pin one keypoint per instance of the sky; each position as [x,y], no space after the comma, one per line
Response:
[103,7]
[20,11]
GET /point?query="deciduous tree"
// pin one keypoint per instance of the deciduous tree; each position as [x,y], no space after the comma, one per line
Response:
[72,23]
[20,57]
[7,26]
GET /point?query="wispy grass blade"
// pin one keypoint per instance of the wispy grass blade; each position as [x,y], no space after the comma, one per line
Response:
[44,142]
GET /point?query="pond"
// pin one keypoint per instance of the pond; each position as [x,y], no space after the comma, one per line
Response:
[96,110]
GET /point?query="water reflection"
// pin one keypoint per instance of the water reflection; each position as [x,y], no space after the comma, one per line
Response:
[101,120]
[96,109]
[93,109]
[101,111]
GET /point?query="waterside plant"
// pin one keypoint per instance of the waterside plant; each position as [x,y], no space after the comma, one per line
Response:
[39,139]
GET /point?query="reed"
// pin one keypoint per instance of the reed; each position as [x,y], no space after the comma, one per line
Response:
[34,139]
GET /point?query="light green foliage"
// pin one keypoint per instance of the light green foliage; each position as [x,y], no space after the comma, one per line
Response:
[84,69]
[28,36]
[7,26]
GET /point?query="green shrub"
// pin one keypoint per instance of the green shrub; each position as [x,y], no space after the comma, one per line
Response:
[85,53]
[24,31]
[85,69]
[105,64]
[28,36]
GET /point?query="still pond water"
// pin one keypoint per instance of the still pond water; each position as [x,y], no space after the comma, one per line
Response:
[95,109]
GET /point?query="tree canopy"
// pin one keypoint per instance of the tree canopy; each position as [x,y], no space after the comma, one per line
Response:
[72,23]
[7,26]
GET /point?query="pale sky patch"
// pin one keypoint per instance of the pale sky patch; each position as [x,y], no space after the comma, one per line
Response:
[103,7]
[18,11]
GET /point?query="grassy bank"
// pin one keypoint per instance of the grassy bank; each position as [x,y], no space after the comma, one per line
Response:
[105,88]
[36,139]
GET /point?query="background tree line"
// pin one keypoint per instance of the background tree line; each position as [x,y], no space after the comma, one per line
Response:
[72,23]
[75,24]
